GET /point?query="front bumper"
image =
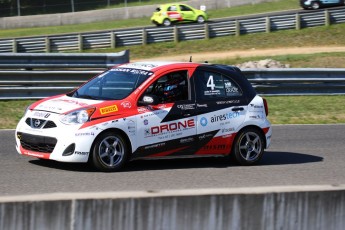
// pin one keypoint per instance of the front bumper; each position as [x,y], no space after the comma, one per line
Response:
[65,143]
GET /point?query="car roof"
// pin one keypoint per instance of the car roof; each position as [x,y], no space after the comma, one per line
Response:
[156,65]
[171,4]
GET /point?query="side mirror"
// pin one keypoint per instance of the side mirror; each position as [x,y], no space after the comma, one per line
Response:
[148,100]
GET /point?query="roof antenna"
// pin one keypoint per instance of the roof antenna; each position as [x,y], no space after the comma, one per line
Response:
[190,59]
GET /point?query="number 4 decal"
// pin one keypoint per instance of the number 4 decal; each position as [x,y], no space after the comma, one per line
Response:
[210,82]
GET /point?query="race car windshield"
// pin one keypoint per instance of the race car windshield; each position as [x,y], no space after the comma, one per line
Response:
[115,84]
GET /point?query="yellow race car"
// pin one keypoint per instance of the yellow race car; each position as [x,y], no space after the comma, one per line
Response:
[168,14]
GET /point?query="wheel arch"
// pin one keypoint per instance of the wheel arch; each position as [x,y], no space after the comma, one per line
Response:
[120,131]
[253,127]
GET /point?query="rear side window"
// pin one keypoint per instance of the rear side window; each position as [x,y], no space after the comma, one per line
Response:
[212,85]
[172,8]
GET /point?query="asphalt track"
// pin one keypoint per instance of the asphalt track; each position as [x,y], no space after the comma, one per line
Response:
[299,155]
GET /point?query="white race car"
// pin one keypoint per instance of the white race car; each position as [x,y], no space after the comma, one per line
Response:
[149,110]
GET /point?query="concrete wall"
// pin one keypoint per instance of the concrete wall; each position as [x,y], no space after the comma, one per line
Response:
[107,14]
[270,208]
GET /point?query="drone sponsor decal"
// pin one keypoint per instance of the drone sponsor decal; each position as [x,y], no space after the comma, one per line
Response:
[108,109]
[170,130]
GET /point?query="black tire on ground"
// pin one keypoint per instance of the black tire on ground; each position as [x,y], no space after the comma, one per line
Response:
[200,19]
[110,152]
[315,5]
[248,147]
[166,22]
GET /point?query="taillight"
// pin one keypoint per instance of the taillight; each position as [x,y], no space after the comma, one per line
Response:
[266,106]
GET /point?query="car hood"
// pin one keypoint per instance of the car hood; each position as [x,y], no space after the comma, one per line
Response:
[63,104]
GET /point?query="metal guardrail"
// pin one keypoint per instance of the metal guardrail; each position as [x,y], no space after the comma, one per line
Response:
[40,84]
[60,60]
[148,35]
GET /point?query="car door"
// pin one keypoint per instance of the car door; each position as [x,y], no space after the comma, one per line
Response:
[173,13]
[187,13]
[167,128]
[221,109]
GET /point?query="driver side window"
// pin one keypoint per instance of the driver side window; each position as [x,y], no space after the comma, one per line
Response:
[170,88]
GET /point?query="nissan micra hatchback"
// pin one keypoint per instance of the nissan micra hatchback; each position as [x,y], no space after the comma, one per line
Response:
[168,14]
[149,110]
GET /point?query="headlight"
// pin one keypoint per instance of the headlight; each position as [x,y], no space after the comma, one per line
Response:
[26,110]
[78,116]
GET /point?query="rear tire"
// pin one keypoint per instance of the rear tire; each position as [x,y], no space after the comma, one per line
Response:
[315,5]
[166,22]
[110,152]
[248,147]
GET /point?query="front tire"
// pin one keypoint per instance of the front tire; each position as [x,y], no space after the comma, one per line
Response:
[200,19]
[248,147]
[110,152]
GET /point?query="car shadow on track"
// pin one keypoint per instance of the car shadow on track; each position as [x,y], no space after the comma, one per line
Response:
[286,158]
[269,158]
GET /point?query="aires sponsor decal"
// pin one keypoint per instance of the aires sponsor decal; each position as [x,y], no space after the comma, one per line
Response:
[225,116]
[108,109]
